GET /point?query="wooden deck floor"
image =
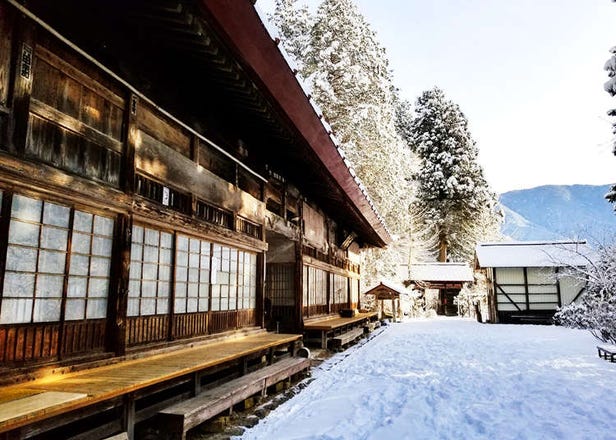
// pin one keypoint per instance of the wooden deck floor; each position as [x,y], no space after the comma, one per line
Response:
[46,397]
[331,323]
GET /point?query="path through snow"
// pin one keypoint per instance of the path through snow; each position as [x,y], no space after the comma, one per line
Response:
[452,378]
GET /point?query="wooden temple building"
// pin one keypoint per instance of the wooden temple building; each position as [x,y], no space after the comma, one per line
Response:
[446,278]
[165,181]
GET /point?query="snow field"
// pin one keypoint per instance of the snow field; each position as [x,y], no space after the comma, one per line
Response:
[455,379]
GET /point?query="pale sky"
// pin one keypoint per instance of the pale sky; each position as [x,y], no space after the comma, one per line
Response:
[528,74]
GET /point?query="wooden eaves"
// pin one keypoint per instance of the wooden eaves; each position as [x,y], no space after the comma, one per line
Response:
[239,22]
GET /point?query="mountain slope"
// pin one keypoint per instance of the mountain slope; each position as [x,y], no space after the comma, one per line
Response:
[558,211]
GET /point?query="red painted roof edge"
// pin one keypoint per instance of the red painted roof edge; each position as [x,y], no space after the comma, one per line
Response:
[242,27]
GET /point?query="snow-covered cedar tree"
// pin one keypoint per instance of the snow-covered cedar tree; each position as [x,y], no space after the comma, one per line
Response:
[452,195]
[294,23]
[347,72]
[610,87]
[595,309]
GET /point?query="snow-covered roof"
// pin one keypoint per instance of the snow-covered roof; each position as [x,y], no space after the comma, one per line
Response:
[443,272]
[389,286]
[533,254]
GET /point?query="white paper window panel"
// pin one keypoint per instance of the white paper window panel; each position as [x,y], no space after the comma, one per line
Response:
[179,305]
[138,234]
[101,246]
[166,240]
[134,289]
[150,254]
[181,259]
[47,310]
[135,270]
[100,267]
[192,305]
[82,221]
[96,308]
[25,234]
[149,271]
[51,261]
[21,259]
[26,208]
[103,226]
[56,215]
[203,304]
[98,287]
[148,306]
[136,252]
[16,311]
[164,273]
[19,285]
[151,237]
[77,287]
[133,307]
[49,286]
[75,309]
[54,238]
[81,243]
[165,256]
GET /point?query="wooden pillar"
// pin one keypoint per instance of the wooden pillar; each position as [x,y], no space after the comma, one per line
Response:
[21,78]
[260,306]
[131,137]
[6,48]
[128,418]
[299,272]
[118,291]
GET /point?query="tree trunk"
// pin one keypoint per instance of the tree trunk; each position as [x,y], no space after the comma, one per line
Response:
[442,246]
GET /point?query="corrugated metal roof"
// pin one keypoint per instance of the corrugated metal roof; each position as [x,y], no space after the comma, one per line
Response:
[533,254]
[443,272]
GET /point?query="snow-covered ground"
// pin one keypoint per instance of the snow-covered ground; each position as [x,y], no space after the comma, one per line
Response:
[453,378]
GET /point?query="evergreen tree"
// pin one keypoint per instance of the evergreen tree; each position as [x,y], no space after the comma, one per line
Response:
[453,195]
[294,24]
[348,74]
[610,87]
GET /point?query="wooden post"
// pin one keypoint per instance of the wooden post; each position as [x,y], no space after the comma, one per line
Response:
[118,291]
[260,307]
[128,417]
[131,137]
[299,272]
[22,76]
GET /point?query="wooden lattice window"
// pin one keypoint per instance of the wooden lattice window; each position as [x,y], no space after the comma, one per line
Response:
[150,272]
[192,275]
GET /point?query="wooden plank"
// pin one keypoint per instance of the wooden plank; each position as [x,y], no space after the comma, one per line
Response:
[206,405]
[57,62]
[112,381]
[154,123]
[36,403]
[331,323]
[347,337]
[51,114]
